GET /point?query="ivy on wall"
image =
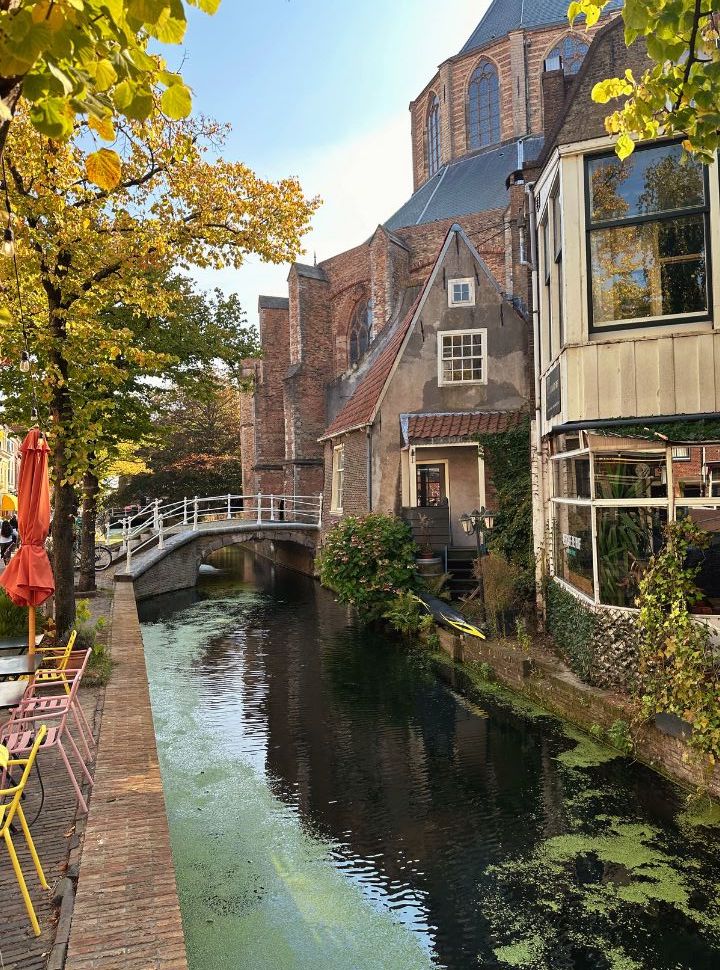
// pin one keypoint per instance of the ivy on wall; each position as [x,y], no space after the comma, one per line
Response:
[507,454]
[572,625]
[679,665]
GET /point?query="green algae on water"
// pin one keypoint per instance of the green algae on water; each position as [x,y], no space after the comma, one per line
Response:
[587,752]
[702,812]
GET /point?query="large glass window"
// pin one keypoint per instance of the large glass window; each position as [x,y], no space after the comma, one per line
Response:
[433,136]
[484,106]
[626,539]
[630,475]
[610,510]
[571,51]
[360,328]
[647,225]
[572,531]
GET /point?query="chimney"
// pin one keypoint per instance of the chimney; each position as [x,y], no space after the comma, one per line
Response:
[555,86]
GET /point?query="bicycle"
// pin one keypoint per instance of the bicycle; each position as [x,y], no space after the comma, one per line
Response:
[103,558]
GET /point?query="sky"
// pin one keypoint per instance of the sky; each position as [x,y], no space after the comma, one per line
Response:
[320,90]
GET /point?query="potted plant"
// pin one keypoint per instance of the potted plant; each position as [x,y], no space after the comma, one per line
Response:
[428,563]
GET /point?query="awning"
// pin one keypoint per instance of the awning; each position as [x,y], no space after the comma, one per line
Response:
[456,426]
[8,502]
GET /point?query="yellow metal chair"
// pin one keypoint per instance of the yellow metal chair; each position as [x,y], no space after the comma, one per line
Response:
[58,658]
[10,808]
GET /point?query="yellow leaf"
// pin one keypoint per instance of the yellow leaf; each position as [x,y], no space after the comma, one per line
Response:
[103,168]
[103,126]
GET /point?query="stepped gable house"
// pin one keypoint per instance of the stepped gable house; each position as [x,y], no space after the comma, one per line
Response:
[381,364]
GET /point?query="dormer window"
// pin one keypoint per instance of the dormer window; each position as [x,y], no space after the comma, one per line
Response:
[461,292]
[360,330]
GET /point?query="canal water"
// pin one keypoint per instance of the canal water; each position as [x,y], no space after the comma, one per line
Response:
[337,802]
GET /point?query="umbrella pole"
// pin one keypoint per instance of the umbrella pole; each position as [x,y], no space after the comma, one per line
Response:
[31,631]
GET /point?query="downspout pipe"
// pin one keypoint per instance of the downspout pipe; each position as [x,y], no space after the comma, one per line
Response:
[368,434]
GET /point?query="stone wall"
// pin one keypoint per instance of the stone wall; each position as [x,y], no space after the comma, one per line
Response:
[556,688]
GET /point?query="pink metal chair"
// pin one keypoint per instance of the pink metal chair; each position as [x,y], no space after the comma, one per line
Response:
[54,712]
[46,690]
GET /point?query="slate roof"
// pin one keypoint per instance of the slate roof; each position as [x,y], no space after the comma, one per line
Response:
[506,15]
[453,426]
[312,272]
[472,184]
[273,303]
[358,411]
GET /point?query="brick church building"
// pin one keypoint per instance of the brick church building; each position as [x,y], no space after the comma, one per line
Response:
[382,364]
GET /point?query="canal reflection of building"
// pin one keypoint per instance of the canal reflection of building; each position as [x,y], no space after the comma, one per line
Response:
[418,790]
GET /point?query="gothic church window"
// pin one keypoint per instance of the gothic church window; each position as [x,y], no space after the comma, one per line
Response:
[484,106]
[571,52]
[360,328]
[433,136]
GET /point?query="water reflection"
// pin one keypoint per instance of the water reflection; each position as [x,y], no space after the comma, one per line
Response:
[446,809]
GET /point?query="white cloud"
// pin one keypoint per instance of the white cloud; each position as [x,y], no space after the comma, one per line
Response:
[361,181]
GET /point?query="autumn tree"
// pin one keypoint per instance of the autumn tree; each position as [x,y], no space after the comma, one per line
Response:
[90,58]
[678,94]
[203,339]
[85,251]
[195,448]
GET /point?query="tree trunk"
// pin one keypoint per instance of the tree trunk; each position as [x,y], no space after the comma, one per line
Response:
[10,91]
[87,540]
[63,551]
[65,499]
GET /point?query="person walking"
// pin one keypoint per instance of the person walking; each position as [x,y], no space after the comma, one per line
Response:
[7,540]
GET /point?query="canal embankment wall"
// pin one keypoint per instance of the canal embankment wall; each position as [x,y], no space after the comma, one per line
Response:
[549,683]
[127,913]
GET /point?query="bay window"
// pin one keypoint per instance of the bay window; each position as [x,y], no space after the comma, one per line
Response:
[612,500]
[647,226]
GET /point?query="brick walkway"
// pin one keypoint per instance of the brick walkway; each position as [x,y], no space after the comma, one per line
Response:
[127,913]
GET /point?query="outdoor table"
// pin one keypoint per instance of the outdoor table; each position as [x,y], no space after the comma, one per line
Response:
[11,693]
[18,644]
[12,667]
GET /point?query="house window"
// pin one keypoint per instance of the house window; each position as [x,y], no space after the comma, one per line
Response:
[484,106]
[461,357]
[714,482]
[338,475]
[461,292]
[571,53]
[558,256]
[360,328]
[681,453]
[433,136]
[647,228]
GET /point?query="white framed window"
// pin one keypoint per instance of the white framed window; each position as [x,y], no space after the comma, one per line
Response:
[462,357]
[461,292]
[714,481]
[681,453]
[338,475]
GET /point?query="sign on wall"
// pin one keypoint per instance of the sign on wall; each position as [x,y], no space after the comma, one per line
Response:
[553,395]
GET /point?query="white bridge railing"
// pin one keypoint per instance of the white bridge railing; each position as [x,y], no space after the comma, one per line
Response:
[153,524]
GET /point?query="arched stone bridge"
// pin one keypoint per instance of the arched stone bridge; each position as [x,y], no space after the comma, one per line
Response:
[165,546]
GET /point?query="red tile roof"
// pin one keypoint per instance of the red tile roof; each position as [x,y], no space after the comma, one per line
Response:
[463,424]
[360,408]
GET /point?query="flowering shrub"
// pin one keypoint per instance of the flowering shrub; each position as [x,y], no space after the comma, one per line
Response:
[367,561]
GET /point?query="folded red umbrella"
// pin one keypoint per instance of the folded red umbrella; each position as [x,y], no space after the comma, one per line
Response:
[28,578]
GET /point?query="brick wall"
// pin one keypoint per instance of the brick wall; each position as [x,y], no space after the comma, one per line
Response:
[355,490]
